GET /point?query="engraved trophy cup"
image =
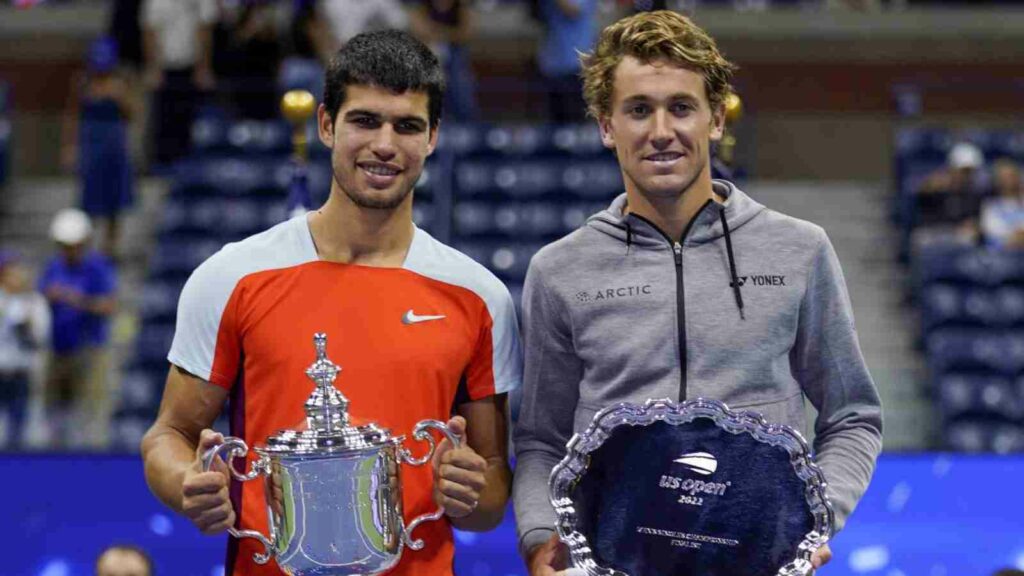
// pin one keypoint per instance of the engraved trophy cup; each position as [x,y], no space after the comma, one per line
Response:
[333,490]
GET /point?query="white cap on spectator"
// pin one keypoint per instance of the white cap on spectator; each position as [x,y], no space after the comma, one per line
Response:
[965,155]
[70,226]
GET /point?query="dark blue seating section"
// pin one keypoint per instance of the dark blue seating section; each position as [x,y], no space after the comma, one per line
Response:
[498,193]
[518,187]
[921,150]
[971,303]
[970,300]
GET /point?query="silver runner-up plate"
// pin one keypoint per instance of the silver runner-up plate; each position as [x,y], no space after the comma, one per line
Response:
[690,489]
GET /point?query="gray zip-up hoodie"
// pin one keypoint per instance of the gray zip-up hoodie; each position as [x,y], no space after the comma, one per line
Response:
[750,308]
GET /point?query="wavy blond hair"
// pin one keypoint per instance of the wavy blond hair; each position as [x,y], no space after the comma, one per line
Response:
[650,36]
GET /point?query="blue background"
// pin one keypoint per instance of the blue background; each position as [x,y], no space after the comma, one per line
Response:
[929,515]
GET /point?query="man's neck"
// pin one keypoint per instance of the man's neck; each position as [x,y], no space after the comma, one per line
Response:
[671,215]
[347,233]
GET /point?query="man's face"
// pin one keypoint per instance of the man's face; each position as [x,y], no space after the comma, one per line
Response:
[661,126]
[73,253]
[119,562]
[1007,179]
[379,142]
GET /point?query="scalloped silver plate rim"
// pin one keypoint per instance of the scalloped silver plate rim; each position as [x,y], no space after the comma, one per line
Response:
[570,470]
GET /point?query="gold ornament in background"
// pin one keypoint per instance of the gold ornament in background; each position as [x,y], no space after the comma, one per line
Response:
[733,108]
[298,106]
[727,145]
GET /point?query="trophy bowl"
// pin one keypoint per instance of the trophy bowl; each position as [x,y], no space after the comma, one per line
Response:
[333,491]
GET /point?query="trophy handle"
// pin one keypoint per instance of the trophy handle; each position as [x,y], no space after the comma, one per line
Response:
[236,447]
[420,432]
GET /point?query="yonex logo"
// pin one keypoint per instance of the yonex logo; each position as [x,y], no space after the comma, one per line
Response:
[410,318]
[699,462]
[760,280]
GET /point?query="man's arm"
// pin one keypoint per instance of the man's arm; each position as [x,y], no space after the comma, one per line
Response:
[173,447]
[551,377]
[827,361]
[473,483]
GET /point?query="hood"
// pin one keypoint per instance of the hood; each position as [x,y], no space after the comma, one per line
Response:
[713,221]
[637,232]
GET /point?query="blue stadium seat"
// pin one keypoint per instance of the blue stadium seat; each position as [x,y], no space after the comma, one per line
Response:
[575,214]
[579,140]
[140,390]
[941,305]
[974,435]
[210,136]
[159,300]
[459,139]
[979,395]
[127,432]
[516,140]
[424,214]
[472,218]
[177,256]
[967,265]
[153,343]
[227,176]
[593,179]
[508,260]
[967,349]
[271,137]
[240,217]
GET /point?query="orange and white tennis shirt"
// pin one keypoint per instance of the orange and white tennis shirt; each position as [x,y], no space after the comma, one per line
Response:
[412,342]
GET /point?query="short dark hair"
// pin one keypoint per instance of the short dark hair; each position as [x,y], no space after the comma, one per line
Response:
[132,549]
[389,59]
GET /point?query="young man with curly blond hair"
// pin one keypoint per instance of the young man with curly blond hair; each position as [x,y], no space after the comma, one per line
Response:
[706,323]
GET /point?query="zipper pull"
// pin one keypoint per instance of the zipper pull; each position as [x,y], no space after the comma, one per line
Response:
[678,249]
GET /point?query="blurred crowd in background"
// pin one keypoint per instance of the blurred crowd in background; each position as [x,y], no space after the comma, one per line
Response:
[164,67]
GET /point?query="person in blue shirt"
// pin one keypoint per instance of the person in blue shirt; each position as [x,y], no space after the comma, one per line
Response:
[96,140]
[80,285]
[571,28]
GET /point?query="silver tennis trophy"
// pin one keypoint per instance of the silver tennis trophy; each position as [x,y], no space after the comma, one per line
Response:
[333,491]
[672,488]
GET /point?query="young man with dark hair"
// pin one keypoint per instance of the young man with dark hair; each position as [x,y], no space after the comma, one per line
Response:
[420,330]
[738,302]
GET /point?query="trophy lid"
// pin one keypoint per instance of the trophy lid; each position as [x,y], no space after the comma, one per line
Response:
[327,429]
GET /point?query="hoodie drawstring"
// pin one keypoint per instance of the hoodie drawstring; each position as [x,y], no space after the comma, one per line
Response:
[629,236]
[732,265]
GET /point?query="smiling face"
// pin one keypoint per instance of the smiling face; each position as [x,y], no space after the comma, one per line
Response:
[661,126]
[379,141]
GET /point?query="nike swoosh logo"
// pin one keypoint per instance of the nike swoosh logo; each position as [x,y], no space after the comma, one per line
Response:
[410,318]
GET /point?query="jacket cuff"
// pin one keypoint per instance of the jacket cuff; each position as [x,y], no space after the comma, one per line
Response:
[533,538]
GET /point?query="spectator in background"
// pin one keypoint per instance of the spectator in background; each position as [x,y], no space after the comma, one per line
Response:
[96,139]
[79,284]
[951,197]
[125,29]
[124,560]
[1002,217]
[445,26]
[250,53]
[571,28]
[303,67]
[344,19]
[24,331]
[178,47]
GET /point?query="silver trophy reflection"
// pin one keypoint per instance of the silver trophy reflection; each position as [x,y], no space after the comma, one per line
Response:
[333,491]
